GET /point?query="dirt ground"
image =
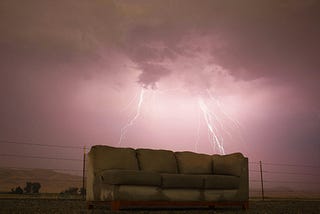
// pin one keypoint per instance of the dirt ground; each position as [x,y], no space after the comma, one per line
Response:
[79,206]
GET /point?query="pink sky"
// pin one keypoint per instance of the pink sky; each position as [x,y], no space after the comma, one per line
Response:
[70,70]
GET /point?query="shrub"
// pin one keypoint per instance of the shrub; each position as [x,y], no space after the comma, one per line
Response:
[17,190]
[32,187]
[71,191]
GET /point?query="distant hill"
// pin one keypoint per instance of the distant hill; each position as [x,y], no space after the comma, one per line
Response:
[50,180]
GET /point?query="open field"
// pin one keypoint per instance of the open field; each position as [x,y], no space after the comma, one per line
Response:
[38,205]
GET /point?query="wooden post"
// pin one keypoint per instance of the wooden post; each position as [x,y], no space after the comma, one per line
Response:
[262,189]
[83,172]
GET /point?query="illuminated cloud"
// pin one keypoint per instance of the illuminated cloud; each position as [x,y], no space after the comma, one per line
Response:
[82,61]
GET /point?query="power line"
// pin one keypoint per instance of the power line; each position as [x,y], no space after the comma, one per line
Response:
[254,162]
[298,182]
[275,191]
[287,173]
[38,144]
[39,157]
[291,165]
[285,164]
[290,173]
[53,180]
[254,190]
[254,180]
[78,147]
[254,171]
[54,169]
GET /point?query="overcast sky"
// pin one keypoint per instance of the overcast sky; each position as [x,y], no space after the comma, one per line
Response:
[71,73]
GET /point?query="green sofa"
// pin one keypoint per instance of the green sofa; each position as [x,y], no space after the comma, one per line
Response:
[145,177]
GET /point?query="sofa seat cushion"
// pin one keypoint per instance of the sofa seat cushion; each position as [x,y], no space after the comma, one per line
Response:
[193,163]
[162,161]
[221,182]
[130,177]
[182,181]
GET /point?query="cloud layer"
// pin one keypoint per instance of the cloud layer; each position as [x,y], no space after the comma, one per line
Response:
[63,58]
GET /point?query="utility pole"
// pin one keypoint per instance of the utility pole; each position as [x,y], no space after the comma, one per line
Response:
[83,172]
[262,189]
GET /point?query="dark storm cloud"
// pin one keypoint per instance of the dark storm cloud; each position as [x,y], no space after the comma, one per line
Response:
[151,74]
[56,32]
[147,60]
[48,47]
[261,38]
[272,39]
[277,40]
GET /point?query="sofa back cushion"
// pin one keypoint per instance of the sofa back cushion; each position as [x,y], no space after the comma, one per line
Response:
[106,157]
[227,164]
[193,163]
[162,161]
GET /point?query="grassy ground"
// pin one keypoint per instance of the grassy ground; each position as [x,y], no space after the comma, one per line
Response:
[38,205]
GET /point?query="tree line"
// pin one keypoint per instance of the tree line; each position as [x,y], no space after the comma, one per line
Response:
[30,188]
[34,188]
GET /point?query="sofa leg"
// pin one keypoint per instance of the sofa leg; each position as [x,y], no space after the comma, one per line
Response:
[115,205]
[212,207]
[245,205]
[90,206]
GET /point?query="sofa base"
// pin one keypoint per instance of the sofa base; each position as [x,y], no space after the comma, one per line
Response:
[117,205]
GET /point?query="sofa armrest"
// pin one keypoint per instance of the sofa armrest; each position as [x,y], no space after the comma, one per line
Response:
[243,192]
[90,179]
[92,182]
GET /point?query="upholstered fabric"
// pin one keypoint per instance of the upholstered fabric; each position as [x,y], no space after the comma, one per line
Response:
[125,174]
[193,163]
[162,161]
[130,177]
[138,193]
[182,181]
[220,195]
[182,194]
[106,157]
[105,192]
[227,164]
[221,182]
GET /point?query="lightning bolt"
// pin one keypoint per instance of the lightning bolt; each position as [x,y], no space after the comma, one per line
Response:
[210,120]
[198,134]
[235,122]
[136,116]
[215,120]
[226,117]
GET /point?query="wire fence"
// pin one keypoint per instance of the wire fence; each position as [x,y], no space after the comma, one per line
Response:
[284,180]
[59,168]
[266,179]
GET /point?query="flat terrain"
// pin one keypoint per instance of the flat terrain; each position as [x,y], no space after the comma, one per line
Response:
[79,206]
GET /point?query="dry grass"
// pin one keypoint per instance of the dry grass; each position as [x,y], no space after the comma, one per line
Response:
[38,205]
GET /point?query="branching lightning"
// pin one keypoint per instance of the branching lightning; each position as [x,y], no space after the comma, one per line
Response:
[235,122]
[136,116]
[215,117]
[210,120]
[198,134]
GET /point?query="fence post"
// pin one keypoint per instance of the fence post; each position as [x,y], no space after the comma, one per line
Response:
[83,172]
[262,189]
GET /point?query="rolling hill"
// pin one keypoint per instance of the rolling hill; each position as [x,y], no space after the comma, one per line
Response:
[51,181]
